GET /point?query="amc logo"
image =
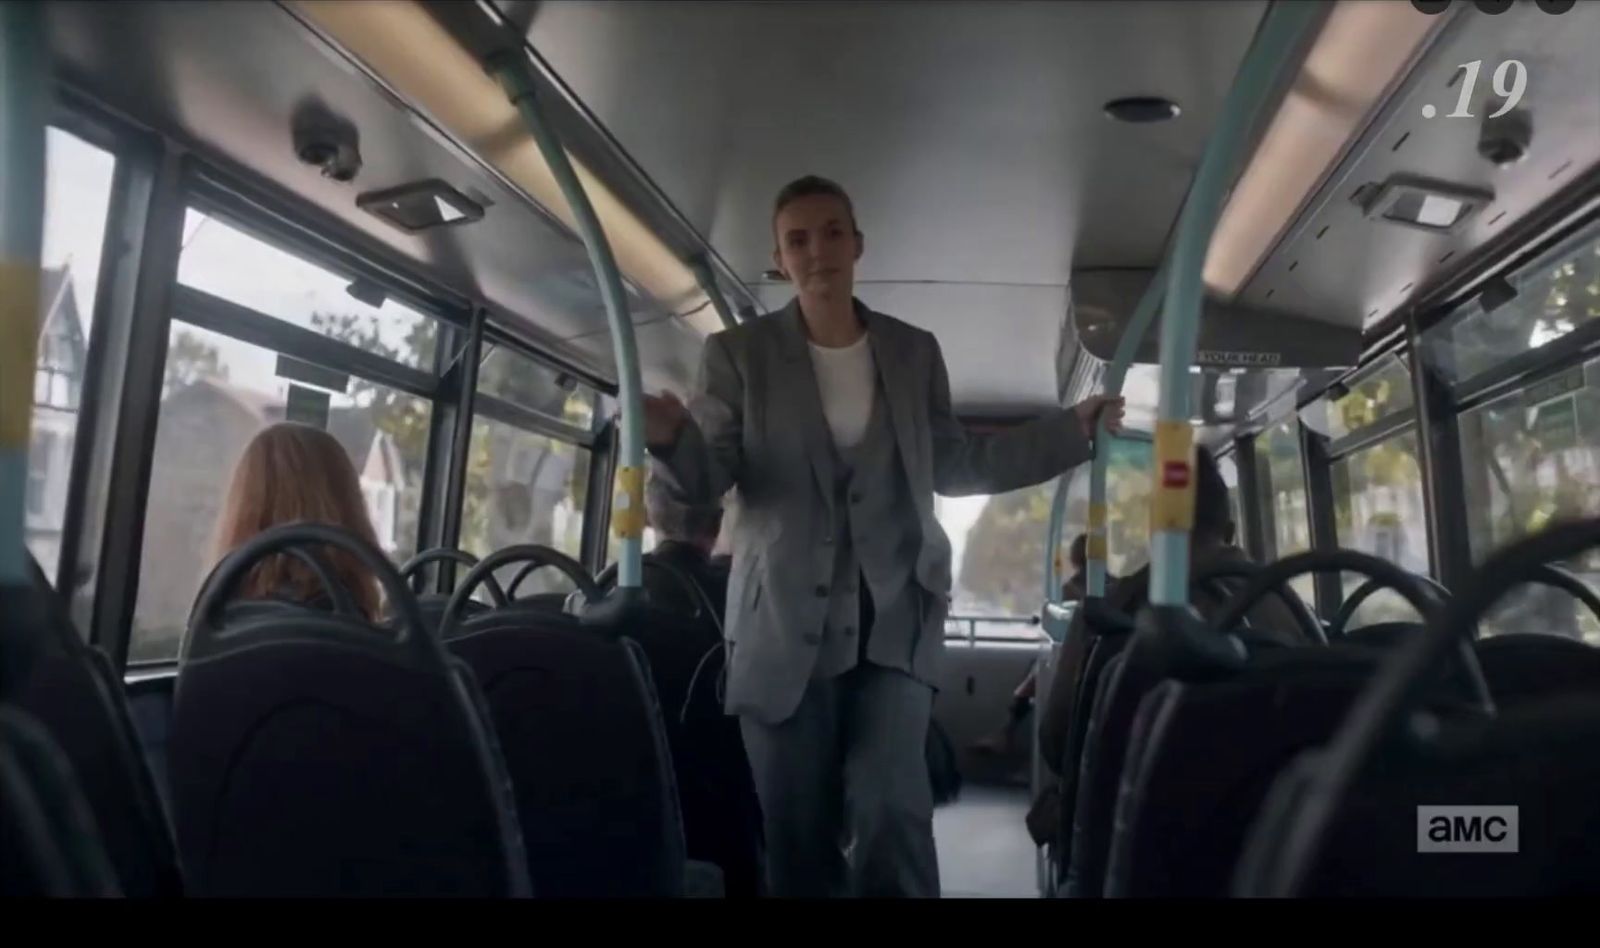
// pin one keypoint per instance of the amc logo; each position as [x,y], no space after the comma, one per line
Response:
[1466,829]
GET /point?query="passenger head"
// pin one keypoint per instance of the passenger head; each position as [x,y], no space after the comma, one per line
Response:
[292,472]
[1080,553]
[1213,510]
[699,526]
[817,240]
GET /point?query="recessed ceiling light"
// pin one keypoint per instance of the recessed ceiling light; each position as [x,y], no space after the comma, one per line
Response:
[1143,108]
[421,205]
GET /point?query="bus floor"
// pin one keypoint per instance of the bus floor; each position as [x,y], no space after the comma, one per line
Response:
[985,851]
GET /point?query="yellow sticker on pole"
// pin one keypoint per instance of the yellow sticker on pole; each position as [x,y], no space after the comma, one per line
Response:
[1172,501]
[627,513]
[19,334]
[1094,547]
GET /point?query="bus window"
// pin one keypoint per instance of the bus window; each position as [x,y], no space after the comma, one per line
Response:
[512,377]
[1377,488]
[524,487]
[1282,479]
[1530,458]
[1553,298]
[219,391]
[77,201]
[996,547]
[1377,502]
[284,286]
[997,541]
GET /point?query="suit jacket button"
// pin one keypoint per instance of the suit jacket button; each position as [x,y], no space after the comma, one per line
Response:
[822,592]
[849,630]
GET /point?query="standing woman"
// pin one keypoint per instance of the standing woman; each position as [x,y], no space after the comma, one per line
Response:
[835,424]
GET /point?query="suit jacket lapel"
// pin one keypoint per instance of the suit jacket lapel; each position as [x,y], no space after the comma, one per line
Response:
[796,388]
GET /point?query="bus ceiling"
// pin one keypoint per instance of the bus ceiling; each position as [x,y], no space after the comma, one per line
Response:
[989,177]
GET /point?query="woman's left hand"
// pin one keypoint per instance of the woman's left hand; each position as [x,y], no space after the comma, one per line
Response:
[1106,406]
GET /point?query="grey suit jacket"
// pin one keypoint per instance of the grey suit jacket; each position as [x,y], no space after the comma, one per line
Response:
[756,423]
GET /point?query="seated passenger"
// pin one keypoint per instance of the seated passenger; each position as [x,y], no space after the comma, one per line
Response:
[688,539]
[1211,543]
[1077,585]
[292,472]
[1074,589]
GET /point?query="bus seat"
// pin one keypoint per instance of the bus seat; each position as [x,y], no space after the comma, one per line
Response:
[71,690]
[1150,657]
[1538,757]
[1522,666]
[1196,773]
[584,740]
[1109,632]
[312,754]
[716,788]
[49,844]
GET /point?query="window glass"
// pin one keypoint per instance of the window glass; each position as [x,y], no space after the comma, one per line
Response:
[524,487]
[1381,391]
[218,393]
[997,542]
[1554,297]
[77,202]
[1228,465]
[1529,459]
[224,261]
[513,377]
[1378,509]
[1282,481]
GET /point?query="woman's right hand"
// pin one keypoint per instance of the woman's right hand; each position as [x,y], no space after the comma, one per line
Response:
[664,416]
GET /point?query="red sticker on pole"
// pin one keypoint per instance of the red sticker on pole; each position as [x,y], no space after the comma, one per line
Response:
[1175,474]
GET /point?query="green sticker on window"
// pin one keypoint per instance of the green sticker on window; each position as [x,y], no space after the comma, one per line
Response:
[1556,424]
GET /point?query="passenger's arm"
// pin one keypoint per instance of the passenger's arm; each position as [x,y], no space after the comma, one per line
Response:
[707,456]
[966,462]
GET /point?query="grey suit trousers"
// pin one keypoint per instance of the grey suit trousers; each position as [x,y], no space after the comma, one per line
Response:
[844,789]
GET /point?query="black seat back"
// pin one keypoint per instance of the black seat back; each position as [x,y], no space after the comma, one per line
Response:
[1195,776]
[71,690]
[1537,757]
[586,748]
[716,788]
[49,844]
[585,739]
[431,606]
[1527,666]
[315,754]
[1110,635]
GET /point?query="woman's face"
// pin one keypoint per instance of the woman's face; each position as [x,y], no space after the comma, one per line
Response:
[817,246]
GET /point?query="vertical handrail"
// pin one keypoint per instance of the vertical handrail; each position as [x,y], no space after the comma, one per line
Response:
[510,69]
[1144,314]
[24,86]
[1172,507]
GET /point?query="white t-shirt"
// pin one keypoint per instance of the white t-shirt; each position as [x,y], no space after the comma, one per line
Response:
[845,382]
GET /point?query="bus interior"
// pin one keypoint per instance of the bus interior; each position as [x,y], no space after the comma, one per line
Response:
[1350,247]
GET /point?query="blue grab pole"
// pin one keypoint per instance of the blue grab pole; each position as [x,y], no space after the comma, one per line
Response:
[513,74]
[1172,510]
[1116,375]
[24,88]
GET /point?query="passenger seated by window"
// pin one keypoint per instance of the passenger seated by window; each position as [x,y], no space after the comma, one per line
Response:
[688,540]
[289,473]
[1211,544]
